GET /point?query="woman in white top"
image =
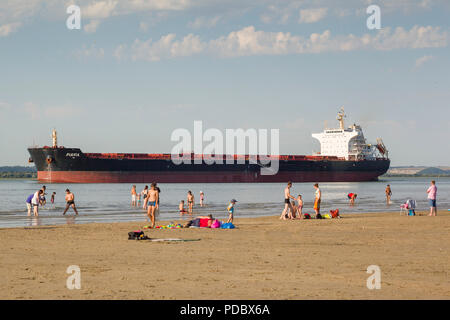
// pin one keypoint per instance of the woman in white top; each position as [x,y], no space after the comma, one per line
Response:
[35,202]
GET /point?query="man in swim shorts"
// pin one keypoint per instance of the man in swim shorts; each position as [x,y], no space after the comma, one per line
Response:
[70,202]
[151,202]
[287,202]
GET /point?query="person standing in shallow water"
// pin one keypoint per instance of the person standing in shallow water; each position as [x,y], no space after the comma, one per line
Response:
[287,203]
[190,200]
[70,202]
[133,196]
[432,194]
[388,193]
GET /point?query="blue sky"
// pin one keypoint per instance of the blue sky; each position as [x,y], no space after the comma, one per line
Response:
[139,69]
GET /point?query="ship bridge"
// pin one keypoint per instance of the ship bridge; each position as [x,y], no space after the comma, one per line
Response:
[348,143]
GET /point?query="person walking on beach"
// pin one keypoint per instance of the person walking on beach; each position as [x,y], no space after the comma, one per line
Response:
[317,200]
[432,192]
[133,196]
[35,202]
[144,194]
[202,198]
[388,192]
[230,210]
[190,200]
[70,202]
[287,202]
[151,203]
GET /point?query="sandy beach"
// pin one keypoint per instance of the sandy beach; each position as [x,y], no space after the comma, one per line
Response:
[264,258]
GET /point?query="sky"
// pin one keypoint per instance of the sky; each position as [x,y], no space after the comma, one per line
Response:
[137,70]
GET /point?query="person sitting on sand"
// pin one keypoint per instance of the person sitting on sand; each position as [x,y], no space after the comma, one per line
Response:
[299,207]
[352,197]
[181,208]
[200,221]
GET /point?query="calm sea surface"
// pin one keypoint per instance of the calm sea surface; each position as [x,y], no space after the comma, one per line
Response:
[111,202]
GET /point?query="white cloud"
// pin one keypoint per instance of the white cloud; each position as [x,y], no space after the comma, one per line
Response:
[248,41]
[203,22]
[99,9]
[6,29]
[312,15]
[90,52]
[92,26]
[422,60]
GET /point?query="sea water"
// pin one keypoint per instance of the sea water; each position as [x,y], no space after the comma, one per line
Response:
[112,202]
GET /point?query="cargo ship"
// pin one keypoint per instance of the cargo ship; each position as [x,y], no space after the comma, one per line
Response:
[345,156]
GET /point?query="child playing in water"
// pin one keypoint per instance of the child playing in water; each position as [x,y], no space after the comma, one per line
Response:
[181,208]
[230,210]
[300,207]
[52,199]
[202,198]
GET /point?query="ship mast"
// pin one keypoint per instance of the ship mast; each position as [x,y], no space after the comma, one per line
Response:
[55,139]
[340,118]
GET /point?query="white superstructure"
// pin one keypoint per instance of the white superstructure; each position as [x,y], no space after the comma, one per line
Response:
[348,143]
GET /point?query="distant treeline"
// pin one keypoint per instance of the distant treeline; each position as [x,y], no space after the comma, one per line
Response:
[428,172]
[18,172]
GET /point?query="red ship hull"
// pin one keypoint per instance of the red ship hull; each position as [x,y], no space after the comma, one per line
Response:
[200,177]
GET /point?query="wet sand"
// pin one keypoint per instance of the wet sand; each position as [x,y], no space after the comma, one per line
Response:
[264,258]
